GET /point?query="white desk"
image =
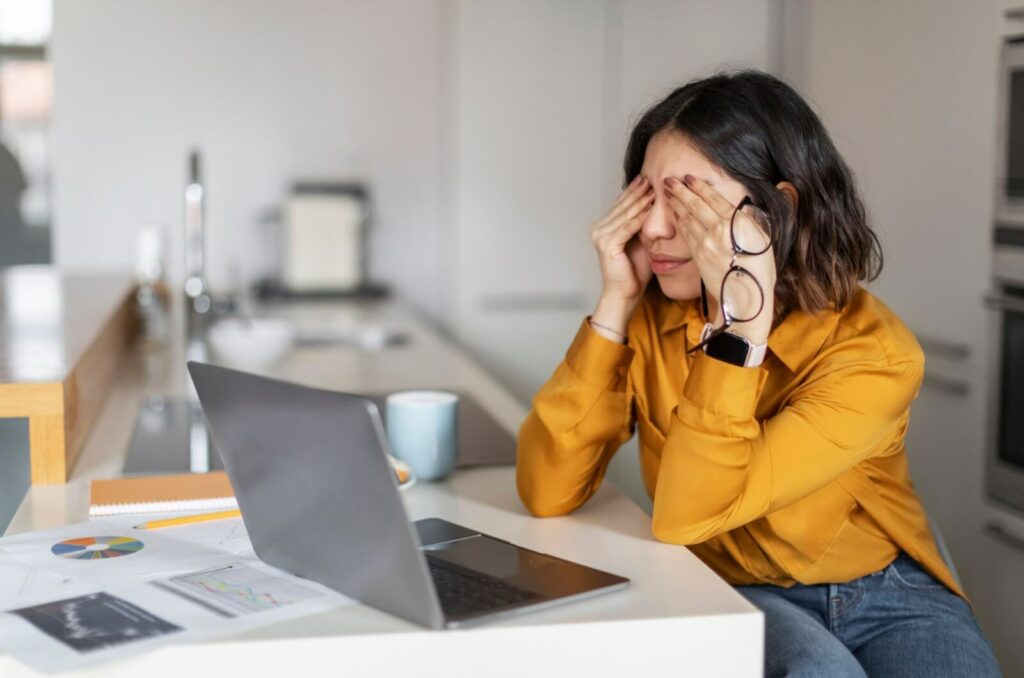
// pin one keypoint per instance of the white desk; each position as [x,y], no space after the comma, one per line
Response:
[676,618]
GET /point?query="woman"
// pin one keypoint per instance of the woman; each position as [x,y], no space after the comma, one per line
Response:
[771,425]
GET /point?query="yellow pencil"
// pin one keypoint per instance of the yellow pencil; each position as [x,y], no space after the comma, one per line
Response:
[186,520]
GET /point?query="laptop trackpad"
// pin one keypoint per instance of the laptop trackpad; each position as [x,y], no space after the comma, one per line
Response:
[487,556]
[471,549]
[435,531]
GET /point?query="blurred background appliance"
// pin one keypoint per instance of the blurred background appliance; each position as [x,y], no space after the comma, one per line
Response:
[1010,149]
[324,238]
[197,294]
[1004,468]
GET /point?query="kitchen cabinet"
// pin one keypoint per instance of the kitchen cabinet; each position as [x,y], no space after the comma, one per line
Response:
[996,592]
[945,444]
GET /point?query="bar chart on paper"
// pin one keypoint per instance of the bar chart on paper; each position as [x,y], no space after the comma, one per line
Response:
[237,590]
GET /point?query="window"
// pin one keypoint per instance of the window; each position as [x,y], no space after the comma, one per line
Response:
[26,99]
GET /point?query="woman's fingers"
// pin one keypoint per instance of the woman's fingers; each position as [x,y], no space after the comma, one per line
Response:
[625,229]
[612,239]
[636,182]
[626,212]
[640,205]
[692,229]
[680,196]
[716,213]
[709,196]
[634,192]
[641,262]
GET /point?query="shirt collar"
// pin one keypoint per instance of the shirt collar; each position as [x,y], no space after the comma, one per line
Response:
[673,315]
[794,341]
[800,336]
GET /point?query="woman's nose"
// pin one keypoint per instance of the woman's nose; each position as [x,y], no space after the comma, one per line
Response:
[660,222]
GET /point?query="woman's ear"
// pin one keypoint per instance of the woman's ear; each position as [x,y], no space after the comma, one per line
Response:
[789,190]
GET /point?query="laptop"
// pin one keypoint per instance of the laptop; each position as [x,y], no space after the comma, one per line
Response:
[319,499]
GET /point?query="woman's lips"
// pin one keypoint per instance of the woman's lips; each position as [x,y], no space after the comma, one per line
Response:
[662,265]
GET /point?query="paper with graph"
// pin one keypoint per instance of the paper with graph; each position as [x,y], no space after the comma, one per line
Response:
[237,589]
[98,591]
[103,550]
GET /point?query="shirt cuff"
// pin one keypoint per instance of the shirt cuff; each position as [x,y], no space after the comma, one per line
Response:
[599,361]
[724,389]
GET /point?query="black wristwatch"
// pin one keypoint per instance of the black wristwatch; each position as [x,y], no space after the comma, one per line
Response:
[733,348]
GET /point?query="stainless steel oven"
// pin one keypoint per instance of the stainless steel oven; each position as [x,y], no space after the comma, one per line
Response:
[1004,472]
[1009,172]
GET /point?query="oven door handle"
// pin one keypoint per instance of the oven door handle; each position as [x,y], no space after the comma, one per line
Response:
[1000,533]
[945,385]
[1002,302]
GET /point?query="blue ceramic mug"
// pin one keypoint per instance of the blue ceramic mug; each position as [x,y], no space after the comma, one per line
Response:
[422,429]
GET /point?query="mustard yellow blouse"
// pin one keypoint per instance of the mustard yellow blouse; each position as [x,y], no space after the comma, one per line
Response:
[794,471]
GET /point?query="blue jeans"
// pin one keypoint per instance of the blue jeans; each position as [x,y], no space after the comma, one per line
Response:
[899,621]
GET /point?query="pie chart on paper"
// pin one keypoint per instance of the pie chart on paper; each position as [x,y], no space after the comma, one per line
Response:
[96,548]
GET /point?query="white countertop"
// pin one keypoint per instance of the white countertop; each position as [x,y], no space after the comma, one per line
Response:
[48,319]
[677,617]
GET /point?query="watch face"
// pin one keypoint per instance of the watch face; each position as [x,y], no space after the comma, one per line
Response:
[729,348]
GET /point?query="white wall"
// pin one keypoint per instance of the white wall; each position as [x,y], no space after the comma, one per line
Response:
[271,92]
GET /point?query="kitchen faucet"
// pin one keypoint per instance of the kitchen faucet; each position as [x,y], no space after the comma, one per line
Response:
[197,296]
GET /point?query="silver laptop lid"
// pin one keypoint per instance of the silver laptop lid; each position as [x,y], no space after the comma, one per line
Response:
[316,492]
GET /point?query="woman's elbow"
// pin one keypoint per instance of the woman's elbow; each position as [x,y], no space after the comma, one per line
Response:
[537,481]
[681,530]
[540,503]
[543,491]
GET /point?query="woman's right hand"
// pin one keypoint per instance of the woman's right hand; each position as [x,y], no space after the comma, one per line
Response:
[625,267]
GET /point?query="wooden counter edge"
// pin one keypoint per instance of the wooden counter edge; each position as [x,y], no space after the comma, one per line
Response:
[88,384]
[60,414]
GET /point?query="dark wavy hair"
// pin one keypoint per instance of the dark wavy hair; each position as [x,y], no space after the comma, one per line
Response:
[759,131]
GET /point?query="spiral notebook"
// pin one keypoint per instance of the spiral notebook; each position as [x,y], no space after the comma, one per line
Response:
[162,494]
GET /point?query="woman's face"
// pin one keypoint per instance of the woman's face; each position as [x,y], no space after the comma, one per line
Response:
[670,155]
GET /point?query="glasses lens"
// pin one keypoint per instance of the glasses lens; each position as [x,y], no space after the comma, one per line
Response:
[742,296]
[751,232]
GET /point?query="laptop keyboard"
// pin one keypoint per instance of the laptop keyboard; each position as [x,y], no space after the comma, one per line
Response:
[465,592]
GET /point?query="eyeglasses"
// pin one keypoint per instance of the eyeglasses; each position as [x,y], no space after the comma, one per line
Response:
[740,289]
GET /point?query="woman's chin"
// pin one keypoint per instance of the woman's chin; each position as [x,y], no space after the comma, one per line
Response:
[679,288]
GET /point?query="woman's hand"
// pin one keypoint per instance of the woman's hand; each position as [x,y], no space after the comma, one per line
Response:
[625,267]
[703,216]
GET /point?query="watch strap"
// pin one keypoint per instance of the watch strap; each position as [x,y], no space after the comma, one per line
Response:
[755,353]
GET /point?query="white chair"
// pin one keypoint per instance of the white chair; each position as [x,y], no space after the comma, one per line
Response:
[944,550]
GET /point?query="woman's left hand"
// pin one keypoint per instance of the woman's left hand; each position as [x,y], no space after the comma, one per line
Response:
[703,216]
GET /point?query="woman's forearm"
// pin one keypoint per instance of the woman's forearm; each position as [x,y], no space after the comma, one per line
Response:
[721,468]
[611,317]
[578,420]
